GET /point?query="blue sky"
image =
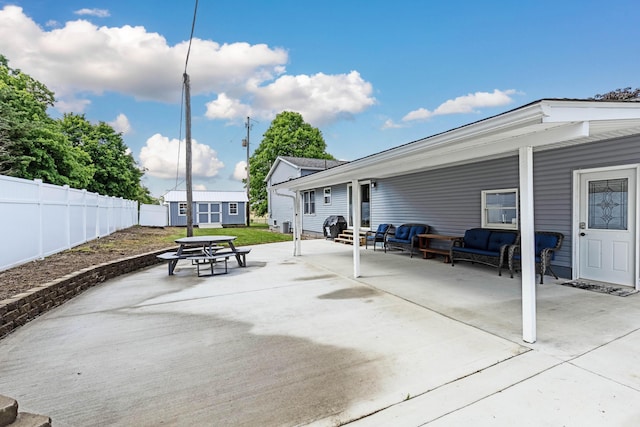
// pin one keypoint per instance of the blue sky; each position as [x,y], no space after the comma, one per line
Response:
[370,75]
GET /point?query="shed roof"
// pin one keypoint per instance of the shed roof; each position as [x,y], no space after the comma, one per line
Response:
[206,196]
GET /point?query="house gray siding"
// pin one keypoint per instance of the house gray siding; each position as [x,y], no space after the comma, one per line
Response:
[449,199]
[338,206]
[281,207]
[553,181]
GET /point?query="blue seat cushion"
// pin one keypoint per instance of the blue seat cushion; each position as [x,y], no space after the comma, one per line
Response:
[475,251]
[517,257]
[498,239]
[396,240]
[476,238]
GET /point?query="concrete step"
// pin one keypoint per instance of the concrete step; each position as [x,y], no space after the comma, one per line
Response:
[8,410]
[26,419]
[9,415]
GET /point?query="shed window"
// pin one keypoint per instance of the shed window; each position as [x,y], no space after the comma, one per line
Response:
[500,208]
[233,208]
[182,209]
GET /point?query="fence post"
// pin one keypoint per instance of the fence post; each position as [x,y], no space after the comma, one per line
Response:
[40,226]
[68,215]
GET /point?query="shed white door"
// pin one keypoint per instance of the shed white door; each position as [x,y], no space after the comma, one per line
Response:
[209,213]
[606,231]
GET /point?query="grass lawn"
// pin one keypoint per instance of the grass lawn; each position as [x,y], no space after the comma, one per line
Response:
[254,235]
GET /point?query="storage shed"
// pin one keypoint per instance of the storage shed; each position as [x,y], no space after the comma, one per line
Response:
[210,208]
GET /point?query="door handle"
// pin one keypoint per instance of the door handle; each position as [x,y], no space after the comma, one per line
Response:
[583,234]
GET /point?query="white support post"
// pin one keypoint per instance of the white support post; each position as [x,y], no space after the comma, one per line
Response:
[355,199]
[297,225]
[527,237]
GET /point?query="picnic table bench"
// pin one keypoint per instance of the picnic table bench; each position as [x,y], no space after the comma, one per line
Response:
[202,250]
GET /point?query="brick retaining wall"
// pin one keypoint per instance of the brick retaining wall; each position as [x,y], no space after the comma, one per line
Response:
[20,309]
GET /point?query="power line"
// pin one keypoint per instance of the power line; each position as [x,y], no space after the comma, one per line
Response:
[193,26]
[186,62]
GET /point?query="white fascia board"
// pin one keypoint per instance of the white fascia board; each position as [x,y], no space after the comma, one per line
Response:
[571,111]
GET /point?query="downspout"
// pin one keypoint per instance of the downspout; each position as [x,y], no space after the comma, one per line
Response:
[297,225]
[355,197]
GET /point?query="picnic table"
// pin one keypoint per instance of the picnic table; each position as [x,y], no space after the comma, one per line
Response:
[205,250]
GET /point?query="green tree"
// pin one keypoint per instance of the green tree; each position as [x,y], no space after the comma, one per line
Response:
[31,144]
[626,94]
[116,172]
[288,135]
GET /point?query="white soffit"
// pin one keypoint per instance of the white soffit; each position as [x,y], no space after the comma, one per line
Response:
[542,125]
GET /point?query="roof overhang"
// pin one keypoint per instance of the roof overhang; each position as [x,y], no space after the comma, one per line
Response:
[542,125]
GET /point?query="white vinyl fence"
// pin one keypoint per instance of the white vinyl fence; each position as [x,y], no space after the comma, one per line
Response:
[37,219]
[154,215]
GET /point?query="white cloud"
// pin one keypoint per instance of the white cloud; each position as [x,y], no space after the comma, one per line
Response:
[100,13]
[464,104]
[160,157]
[80,59]
[121,124]
[319,98]
[240,171]
[199,187]
[227,108]
[390,124]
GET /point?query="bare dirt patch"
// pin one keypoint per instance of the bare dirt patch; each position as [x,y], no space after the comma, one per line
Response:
[121,244]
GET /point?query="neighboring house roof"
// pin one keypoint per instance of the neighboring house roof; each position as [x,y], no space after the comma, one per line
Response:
[206,196]
[304,163]
[542,125]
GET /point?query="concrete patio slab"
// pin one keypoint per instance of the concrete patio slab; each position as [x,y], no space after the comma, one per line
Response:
[296,341]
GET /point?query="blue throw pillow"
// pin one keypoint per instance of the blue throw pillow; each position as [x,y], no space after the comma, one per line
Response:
[402,232]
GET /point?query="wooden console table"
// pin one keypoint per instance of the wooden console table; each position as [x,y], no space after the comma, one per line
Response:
[428,251]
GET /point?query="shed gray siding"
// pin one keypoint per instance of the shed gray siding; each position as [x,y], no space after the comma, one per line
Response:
[238,219]
[181,220]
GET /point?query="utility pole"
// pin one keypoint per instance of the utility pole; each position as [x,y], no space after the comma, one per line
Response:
[187,103]
[245,143]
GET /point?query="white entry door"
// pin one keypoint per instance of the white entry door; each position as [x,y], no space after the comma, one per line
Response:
[606,229]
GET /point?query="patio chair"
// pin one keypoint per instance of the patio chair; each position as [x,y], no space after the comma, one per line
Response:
[546,245]
[377,236]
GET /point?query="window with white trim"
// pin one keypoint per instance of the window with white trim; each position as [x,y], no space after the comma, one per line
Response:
[182,209]
[327,196]
[500,208]
[309,202]
[233,208]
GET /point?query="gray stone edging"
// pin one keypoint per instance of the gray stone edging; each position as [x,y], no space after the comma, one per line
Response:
[24,307]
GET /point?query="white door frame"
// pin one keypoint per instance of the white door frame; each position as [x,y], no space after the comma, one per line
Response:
[575,256]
